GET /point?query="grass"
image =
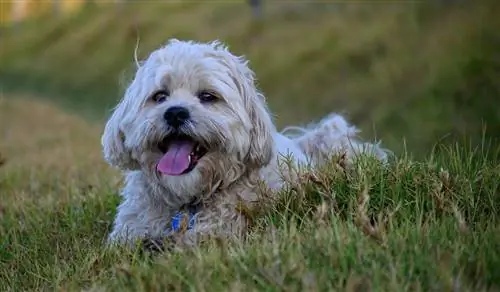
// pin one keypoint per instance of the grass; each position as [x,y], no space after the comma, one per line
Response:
[418,71]
[413,225]
[429,225]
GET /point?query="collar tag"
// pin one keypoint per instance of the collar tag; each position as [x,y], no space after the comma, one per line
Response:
[179,221]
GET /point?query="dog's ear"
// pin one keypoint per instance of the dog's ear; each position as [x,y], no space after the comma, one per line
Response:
[113,140]
[261,140]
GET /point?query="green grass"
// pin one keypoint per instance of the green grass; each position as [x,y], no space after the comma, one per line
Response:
[424,72]
[425,226]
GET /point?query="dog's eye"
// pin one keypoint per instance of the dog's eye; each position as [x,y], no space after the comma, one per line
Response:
[160,96]
[206,96]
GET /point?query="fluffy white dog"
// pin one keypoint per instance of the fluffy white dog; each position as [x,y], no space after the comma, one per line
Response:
[194,136]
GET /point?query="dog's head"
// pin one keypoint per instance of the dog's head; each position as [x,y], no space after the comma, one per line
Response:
[192,114]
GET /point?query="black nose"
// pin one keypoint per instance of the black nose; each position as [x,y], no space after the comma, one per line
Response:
[176,116]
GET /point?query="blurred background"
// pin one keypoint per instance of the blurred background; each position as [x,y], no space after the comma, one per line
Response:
[411,73]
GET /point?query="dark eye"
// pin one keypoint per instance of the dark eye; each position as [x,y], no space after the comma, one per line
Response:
[160,96]
[206,96]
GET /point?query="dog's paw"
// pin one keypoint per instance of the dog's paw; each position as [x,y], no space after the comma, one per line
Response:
[157,244]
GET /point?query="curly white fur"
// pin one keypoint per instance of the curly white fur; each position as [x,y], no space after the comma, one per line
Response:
[243,144]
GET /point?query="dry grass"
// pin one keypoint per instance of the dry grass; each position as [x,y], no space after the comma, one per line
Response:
[46,151]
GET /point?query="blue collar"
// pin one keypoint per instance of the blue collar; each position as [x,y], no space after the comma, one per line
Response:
[178,218]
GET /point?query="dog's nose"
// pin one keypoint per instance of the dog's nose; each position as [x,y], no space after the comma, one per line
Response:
[176,116]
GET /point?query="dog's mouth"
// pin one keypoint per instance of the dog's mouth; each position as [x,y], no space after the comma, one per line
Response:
[180,155]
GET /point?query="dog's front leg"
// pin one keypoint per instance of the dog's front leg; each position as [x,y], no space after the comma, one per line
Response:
[138,220]
[223,221]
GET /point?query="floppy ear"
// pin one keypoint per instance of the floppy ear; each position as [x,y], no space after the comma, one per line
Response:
[261,140]
[113,141]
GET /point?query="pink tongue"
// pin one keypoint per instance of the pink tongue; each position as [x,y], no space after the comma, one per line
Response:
[176,160]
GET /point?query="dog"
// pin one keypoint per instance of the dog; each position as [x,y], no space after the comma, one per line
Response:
[194,138]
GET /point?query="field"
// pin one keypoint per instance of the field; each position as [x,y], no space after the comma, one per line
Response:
[419,76]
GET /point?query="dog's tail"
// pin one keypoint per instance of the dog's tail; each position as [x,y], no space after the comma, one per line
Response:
[332,136]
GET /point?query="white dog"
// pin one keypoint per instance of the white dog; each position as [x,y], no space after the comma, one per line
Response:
[194,136]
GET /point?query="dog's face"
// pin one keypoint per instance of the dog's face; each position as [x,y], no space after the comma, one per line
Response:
[191,118]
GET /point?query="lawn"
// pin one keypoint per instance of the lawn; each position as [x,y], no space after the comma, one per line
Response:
[420,225]
[420,76]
